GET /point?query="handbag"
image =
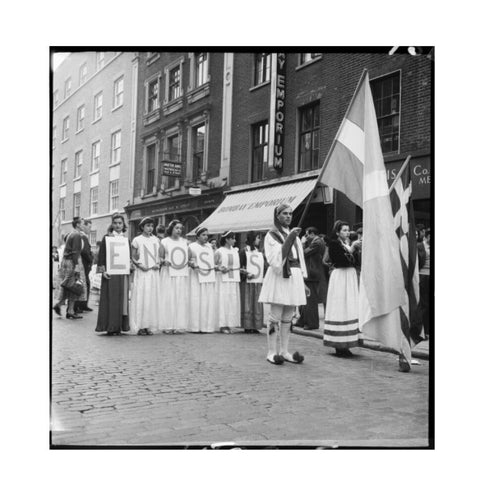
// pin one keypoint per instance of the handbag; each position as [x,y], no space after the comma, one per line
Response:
[74,285]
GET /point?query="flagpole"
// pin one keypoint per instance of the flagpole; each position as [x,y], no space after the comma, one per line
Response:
[322,170]
[402,169]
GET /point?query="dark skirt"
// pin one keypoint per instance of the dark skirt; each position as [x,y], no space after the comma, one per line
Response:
[113,307]
[252,310]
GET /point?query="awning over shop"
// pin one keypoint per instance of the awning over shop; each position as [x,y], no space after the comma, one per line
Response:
[253,210]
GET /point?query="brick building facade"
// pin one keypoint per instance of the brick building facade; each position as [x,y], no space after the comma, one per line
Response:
[93,97]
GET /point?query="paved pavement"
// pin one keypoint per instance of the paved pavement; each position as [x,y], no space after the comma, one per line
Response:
[200,389]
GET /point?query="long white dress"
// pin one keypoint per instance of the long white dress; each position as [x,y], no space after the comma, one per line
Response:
[174,290]
[203,308]
[228,293]
[279,290]
[144,308]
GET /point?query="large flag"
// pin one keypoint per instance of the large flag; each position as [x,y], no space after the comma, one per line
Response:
[404,223]
[355,166]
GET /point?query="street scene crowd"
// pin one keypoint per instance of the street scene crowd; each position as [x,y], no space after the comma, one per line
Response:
[213,288]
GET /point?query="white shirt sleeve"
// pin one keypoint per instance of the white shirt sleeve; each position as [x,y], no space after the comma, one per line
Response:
[273,253]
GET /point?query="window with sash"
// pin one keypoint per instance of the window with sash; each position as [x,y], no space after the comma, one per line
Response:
[201,69]
[198,150]
[174,83]
[97,106]
[82,77]
[308,57]
[95,156]
[114,196]
[116,147]
[153,95]
[78,163]
[118,92]
[263,62]
[76,204]
[65,128]
[309,139]
[151,159]
[94,200]
[172,154]
[80,118]
[68,87]
[259,150]
[63,171]
[100,60]
[61,208]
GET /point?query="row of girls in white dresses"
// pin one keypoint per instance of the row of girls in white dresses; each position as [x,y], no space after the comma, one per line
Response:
[197,289]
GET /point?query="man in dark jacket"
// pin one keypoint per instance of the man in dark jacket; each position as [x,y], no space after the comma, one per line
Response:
[87,260]
[314,249]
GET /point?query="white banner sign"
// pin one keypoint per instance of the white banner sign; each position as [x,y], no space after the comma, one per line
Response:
[118,255]
[233,265]
[178,257]
[206,273]
[255,266]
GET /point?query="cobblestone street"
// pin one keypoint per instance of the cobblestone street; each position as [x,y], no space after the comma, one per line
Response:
[199,389]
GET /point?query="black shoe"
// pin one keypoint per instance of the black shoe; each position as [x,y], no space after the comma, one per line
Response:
[343,352]
[79,311]
[86,308]
[73,317]
[56,308]
[254,331]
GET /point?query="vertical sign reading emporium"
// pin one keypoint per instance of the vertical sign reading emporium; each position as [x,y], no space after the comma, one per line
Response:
[277,112]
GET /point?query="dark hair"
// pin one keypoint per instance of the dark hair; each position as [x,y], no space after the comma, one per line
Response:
[171,226]
[353,236]
[251,236]
[114,217]
[99,243]
[312,230]
[427,232]
[225,236]
[360,231]
[87,222]
[160,229]
[337,227]
[76,221]
[420,226]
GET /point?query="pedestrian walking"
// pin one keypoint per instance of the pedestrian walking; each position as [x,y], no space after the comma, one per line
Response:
[113,306]
[87,260]
[251,285]
[144,308]
[174,280]
[283,286]
[203,310]
[55,266]
[228,283]
[314,251]
[71,272]
[341,314]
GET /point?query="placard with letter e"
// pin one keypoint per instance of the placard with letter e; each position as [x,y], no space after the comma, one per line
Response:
[118,255]
[255,266]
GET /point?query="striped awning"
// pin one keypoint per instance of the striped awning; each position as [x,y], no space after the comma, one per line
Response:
[253,210]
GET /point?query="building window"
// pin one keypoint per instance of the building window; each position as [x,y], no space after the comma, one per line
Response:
[78,163]
[97,106]
[80,118]
[198,150]
[93,237]
[308,57]
[116,147]
[68,87]
[114,197]
[95,156]
[309,148]
[76,204]
[201,69]
[174,83]
[153,95]
[55,98]
[61,208]
[63,171]
[94,200]
[118,93]
[259,150]
[82,74]
[100,60]
[386,97]
[65,128]
[263,62]
[151,157]
[54,137]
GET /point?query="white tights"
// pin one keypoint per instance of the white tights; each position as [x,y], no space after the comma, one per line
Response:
[280,319]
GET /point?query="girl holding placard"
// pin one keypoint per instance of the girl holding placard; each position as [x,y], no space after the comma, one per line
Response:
[203,311]
[252,265]
[227,262]
[114,265]
[174,280]
[144,310]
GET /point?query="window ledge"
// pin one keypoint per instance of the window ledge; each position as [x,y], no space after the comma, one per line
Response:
[173,106]
[96,120]
[152,116]
[75,179]
[94,172]
[153,58]
[115,164]
[79,131]
[310,62]
[62,184]
[198,93]
[150,195]
[64,140]
[261,85]
[117,107]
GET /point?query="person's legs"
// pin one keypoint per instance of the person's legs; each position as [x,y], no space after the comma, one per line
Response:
[273,333]
[285,326]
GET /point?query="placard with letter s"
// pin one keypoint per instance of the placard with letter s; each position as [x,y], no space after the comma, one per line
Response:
[255,266]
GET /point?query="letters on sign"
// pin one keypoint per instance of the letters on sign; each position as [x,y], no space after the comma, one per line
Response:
[255,267]
[148,257]
[233,265]
[178,257]
[118,256]
[206,265]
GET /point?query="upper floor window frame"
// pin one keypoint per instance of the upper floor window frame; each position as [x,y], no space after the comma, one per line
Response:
[262,68]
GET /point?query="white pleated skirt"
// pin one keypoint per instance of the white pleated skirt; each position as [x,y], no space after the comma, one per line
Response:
[174,301]
[286,291]
[341,314]
[144,301]
[203,307]
[228,303]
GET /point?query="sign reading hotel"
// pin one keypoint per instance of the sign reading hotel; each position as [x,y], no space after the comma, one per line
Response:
[118,255]
[171,169]
[277,112]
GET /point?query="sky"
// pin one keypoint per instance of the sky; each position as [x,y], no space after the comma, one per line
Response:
[58,58]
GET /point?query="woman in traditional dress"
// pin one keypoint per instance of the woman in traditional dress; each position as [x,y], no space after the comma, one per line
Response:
[341,314]
[283,287]
[174,280]
[144,310]
[71,274]
[203,310]
[113,306]
[227,262]
[251,309]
